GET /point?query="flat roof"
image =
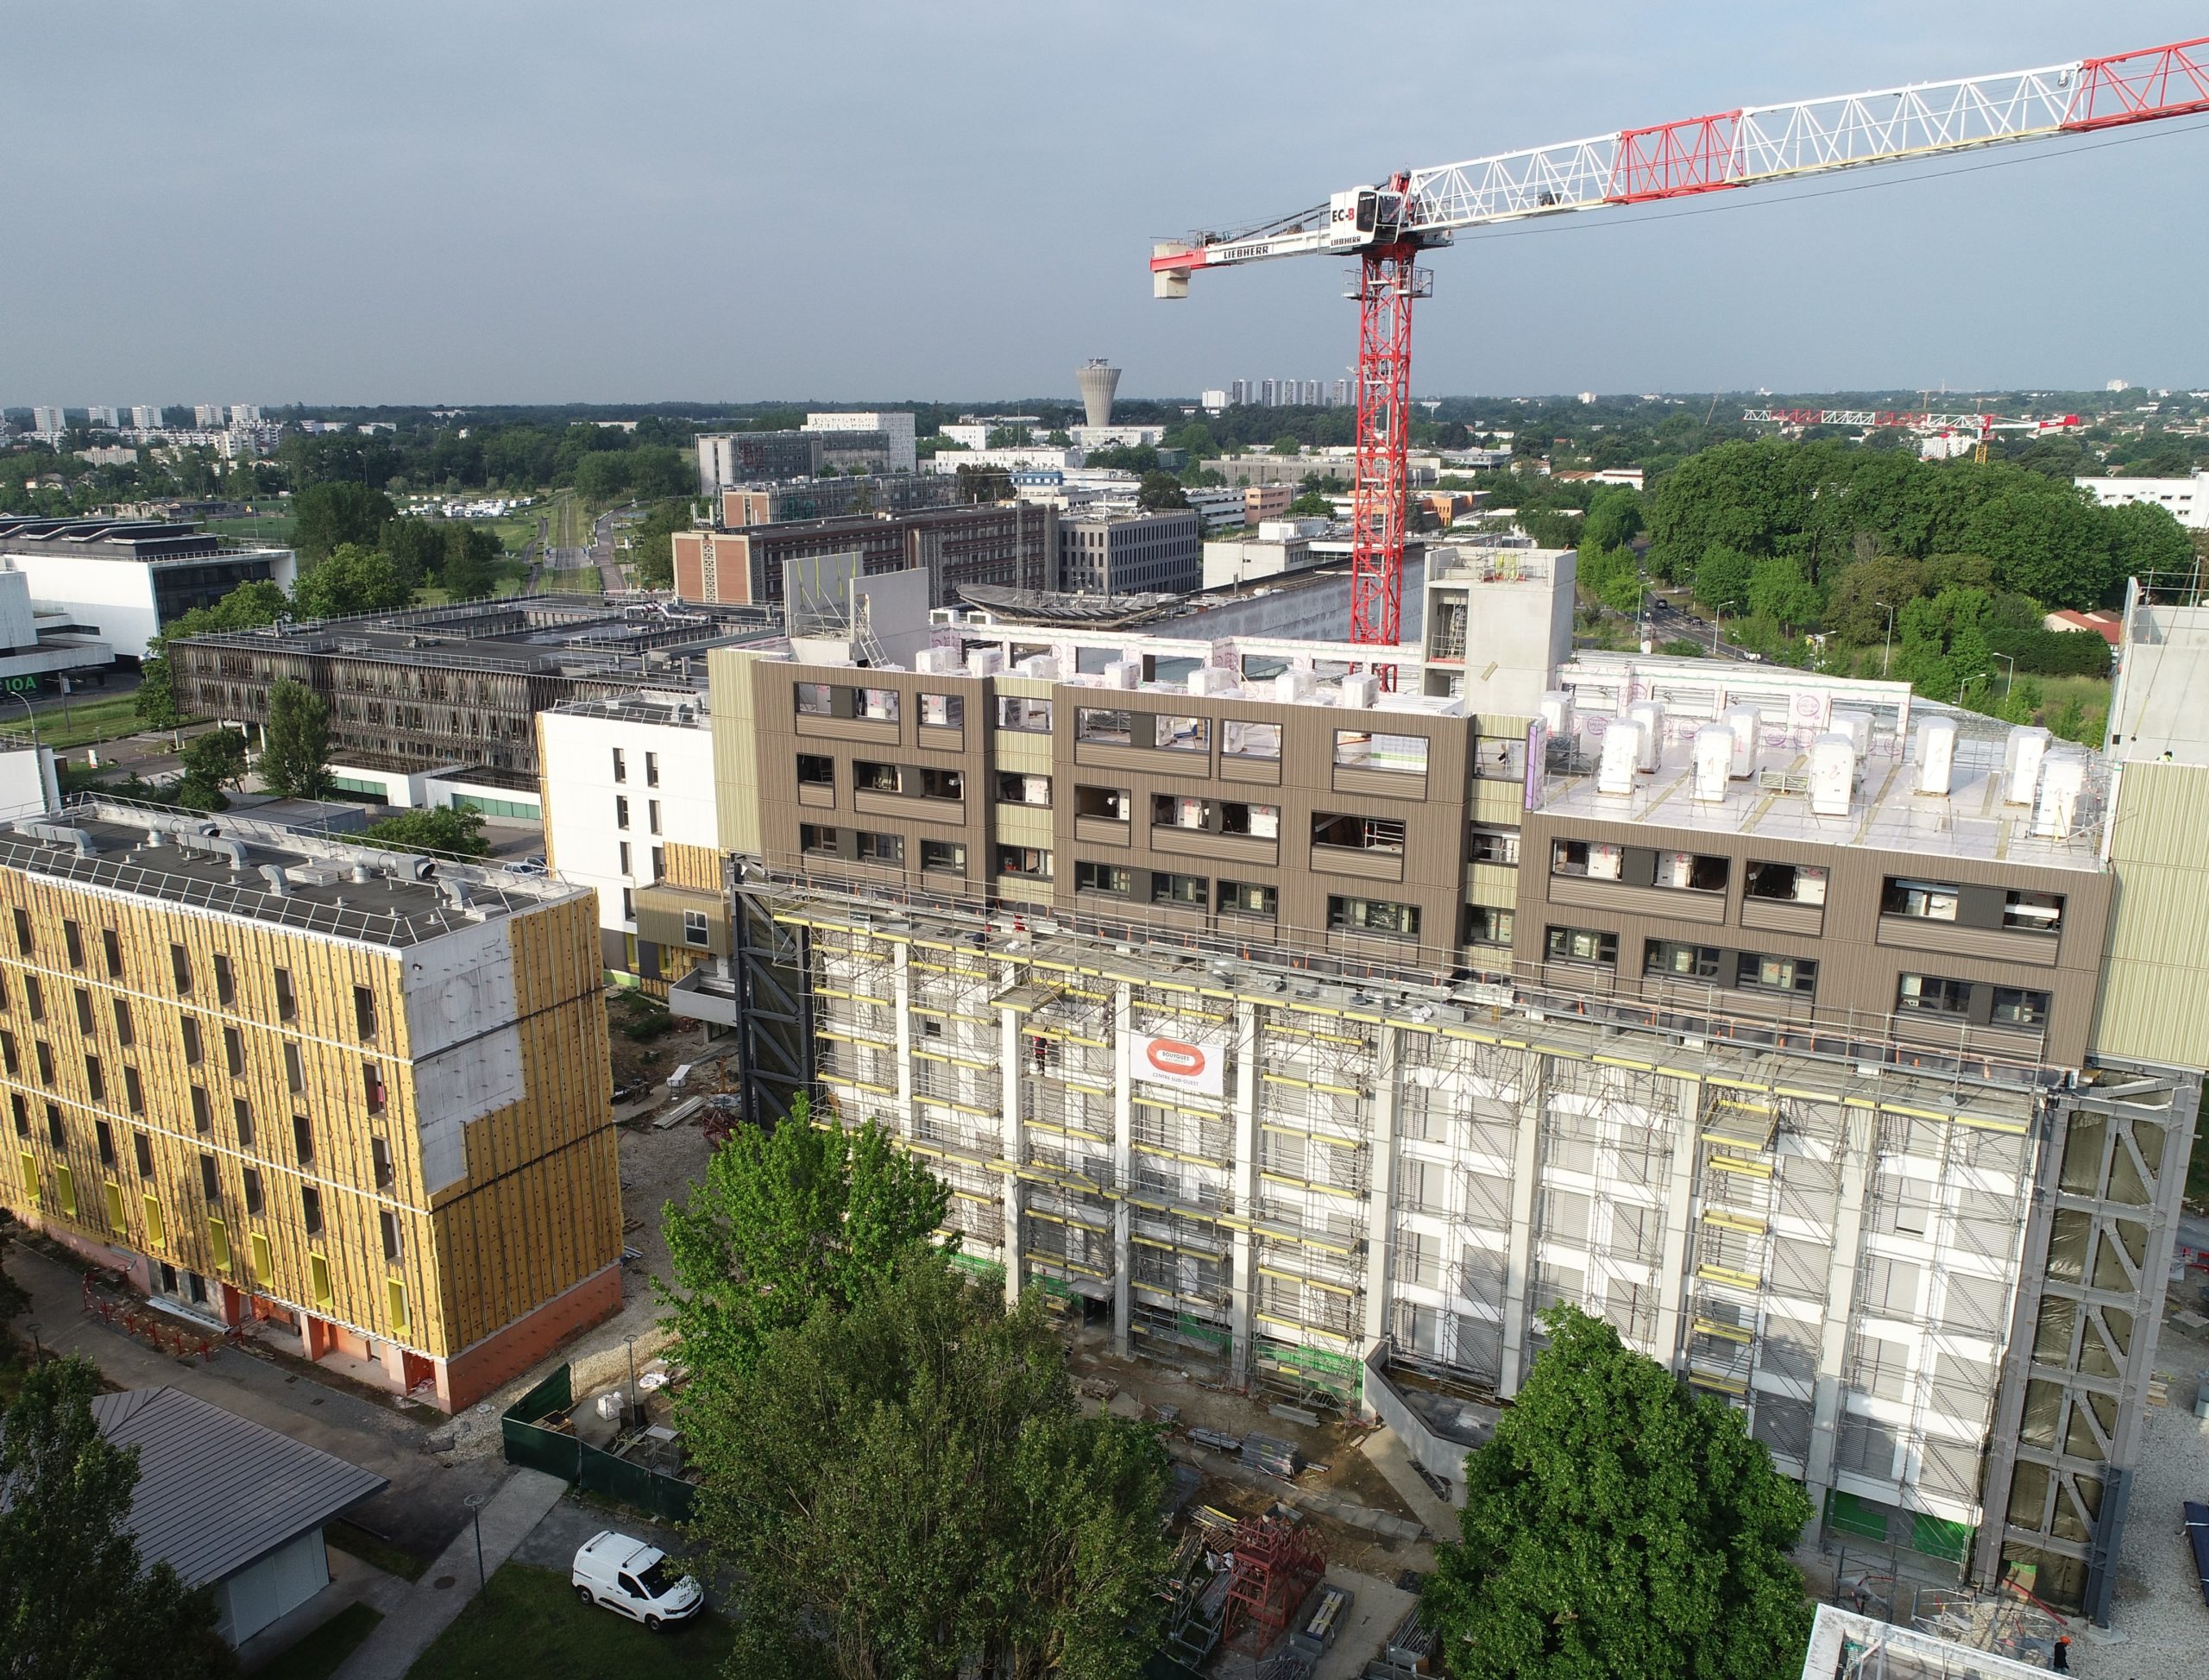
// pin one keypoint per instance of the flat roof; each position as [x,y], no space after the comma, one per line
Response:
[227,864]
[672,711]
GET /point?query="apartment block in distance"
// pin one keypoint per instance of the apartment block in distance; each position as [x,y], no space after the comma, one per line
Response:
[1010,544]
[346,1093]
[1834,1045]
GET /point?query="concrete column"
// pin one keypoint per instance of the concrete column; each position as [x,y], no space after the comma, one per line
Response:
[1244,1264]
[1862,1129]
[1518,1276]
[1381,1177]
[1010,1066]
[1123,1167]
[901,1013]
[1679,1206]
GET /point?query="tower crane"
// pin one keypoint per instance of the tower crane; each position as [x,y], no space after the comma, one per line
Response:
[1979,426]
[1386,226]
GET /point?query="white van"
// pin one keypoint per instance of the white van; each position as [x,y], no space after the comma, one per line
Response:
[636,1579]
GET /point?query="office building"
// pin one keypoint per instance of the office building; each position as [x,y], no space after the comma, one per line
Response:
[835,498]
[1840,1048]
[2186,500]
[730,459]
[125,580]
[245,414]
[629,792]
[1212,400]
[1268,393]
[1154,553]
[1012,543]
[456,688]
[895,427]
[334,1090]
[1218,507]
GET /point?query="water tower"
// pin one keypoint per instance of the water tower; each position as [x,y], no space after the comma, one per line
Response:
[1098,380]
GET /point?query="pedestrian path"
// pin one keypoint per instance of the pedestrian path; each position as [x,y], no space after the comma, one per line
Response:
[413,1619]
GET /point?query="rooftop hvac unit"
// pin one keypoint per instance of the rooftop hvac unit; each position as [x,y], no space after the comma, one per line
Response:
[1832,775]
[1743,722]
[1359,690]
[1857,726]
[1213,680]
[985,662]
[1557,714]
[1713,762]
[1650,714]
[2062,779]
[1936,755]
[937,661]
[1293,686]
[2021,762]
[1124,674]
[1043,666]
[1621,757]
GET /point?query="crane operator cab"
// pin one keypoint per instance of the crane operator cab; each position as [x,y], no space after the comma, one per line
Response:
[1363,216]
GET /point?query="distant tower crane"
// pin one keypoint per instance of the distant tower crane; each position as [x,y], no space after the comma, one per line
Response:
[1386,227]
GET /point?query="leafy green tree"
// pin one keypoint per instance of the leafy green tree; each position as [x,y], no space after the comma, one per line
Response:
[76,1602]
[350,579]
[326,515]
[1286,444]
[295,743]
[653,546]
[1778,591]
[155,700]
[14,1298]
[783,1220]
[1620,1526]
[470,563]
[1007,438]
[212,762]
[1721,576]
[1614,519]
[909,1487]
[1312,505]
[1160,490]
[416,547]
[437,829]
[2145,541]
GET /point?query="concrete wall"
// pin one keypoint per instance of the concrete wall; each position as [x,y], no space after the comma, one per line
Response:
[118,595]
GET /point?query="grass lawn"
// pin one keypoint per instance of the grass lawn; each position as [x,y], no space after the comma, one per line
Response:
[265,528]
[584,581]
[530,1623]
[317,1656]
[91,718]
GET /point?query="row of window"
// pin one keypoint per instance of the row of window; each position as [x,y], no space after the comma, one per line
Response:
[2018,910]
[621,767]
[243,1129]
[1915,994]
[182,974]
[1173,890]
[621,813]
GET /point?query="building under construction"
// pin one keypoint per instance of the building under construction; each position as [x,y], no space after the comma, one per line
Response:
[1314,1036]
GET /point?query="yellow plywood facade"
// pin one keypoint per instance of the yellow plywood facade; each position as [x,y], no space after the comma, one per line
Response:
[2153,1005]
[239,1099]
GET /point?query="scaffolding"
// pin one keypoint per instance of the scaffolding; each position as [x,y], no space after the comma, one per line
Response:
[1605,1149]
[1276,1563]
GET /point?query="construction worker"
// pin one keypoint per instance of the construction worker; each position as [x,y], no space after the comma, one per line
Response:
[2059,1659]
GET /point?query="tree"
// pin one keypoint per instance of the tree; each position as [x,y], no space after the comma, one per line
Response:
[783,1220]
[76,1600]
[1286,444]
[1160,490]
[417,548]
[909,1487]
[295,743]
[470,569]
[1778,591]
[1614,519]
[652,543]
[1721,578]
[210,763]
[1008,437]
[1618,1525]
[155,699]
[14,1298]
[327,515]
[436,829]
[1312,505]
[350,580]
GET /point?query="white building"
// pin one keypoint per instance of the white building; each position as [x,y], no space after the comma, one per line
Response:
[102,417]
[48,422]
[122,582]
[1245,560]
[2186,500]
[1213,401]
[897,424]
[627,785]
[1036,458]
[1221,509]
[1127,437]
[207,414]
[146,416]
[245,413]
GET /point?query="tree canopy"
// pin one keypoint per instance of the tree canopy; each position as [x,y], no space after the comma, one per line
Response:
[653,548]
[907,1487]
[210,763]
[1620,1526]
[295,743]
[437,829]
[326,516]
[350,579]
[1159,490]
[785,1218]
[76,1602]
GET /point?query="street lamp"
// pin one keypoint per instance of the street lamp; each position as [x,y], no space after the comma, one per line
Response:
[1887,653]
[1718,622]
[475,1511]
[29,716]
[2009,679]
[1966,684]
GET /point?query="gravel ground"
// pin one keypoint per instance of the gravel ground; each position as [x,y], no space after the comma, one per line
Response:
[2160,1624]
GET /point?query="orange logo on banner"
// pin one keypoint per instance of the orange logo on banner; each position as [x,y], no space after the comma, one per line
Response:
[1171,1056]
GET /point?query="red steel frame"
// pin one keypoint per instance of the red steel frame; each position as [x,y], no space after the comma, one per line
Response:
[1387,281]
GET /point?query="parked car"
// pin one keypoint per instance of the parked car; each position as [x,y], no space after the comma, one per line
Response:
[527,866]
[635,1579]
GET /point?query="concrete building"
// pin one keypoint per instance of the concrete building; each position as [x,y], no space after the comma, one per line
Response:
[230,1504]
[1841,1049]
[339,1091]
[1155,553]
[1214,400]
[49,422]
[1265,501]
[102,418]
[1012,543]
[147,417]
[730,459]
[1038,457]
[2186,500]
[43,644]
[458,689]
[1219,508]
[1098,380]
[894,425]
[628,790]
[124,581]
[1233,562]
[834,498]
[1118,437]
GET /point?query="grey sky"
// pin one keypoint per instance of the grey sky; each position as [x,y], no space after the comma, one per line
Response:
[624,200]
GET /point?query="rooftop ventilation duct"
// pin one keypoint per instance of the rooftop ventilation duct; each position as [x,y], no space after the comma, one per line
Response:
[2062,779]
[1832,775]
[455,891]
[1936,755]
[1556,713]
[1359,690]
[1714,762]
[1744,721]
[2021,761]
[1650,714]
[279,886]
[424,868]
[361,873]
[1621,757]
